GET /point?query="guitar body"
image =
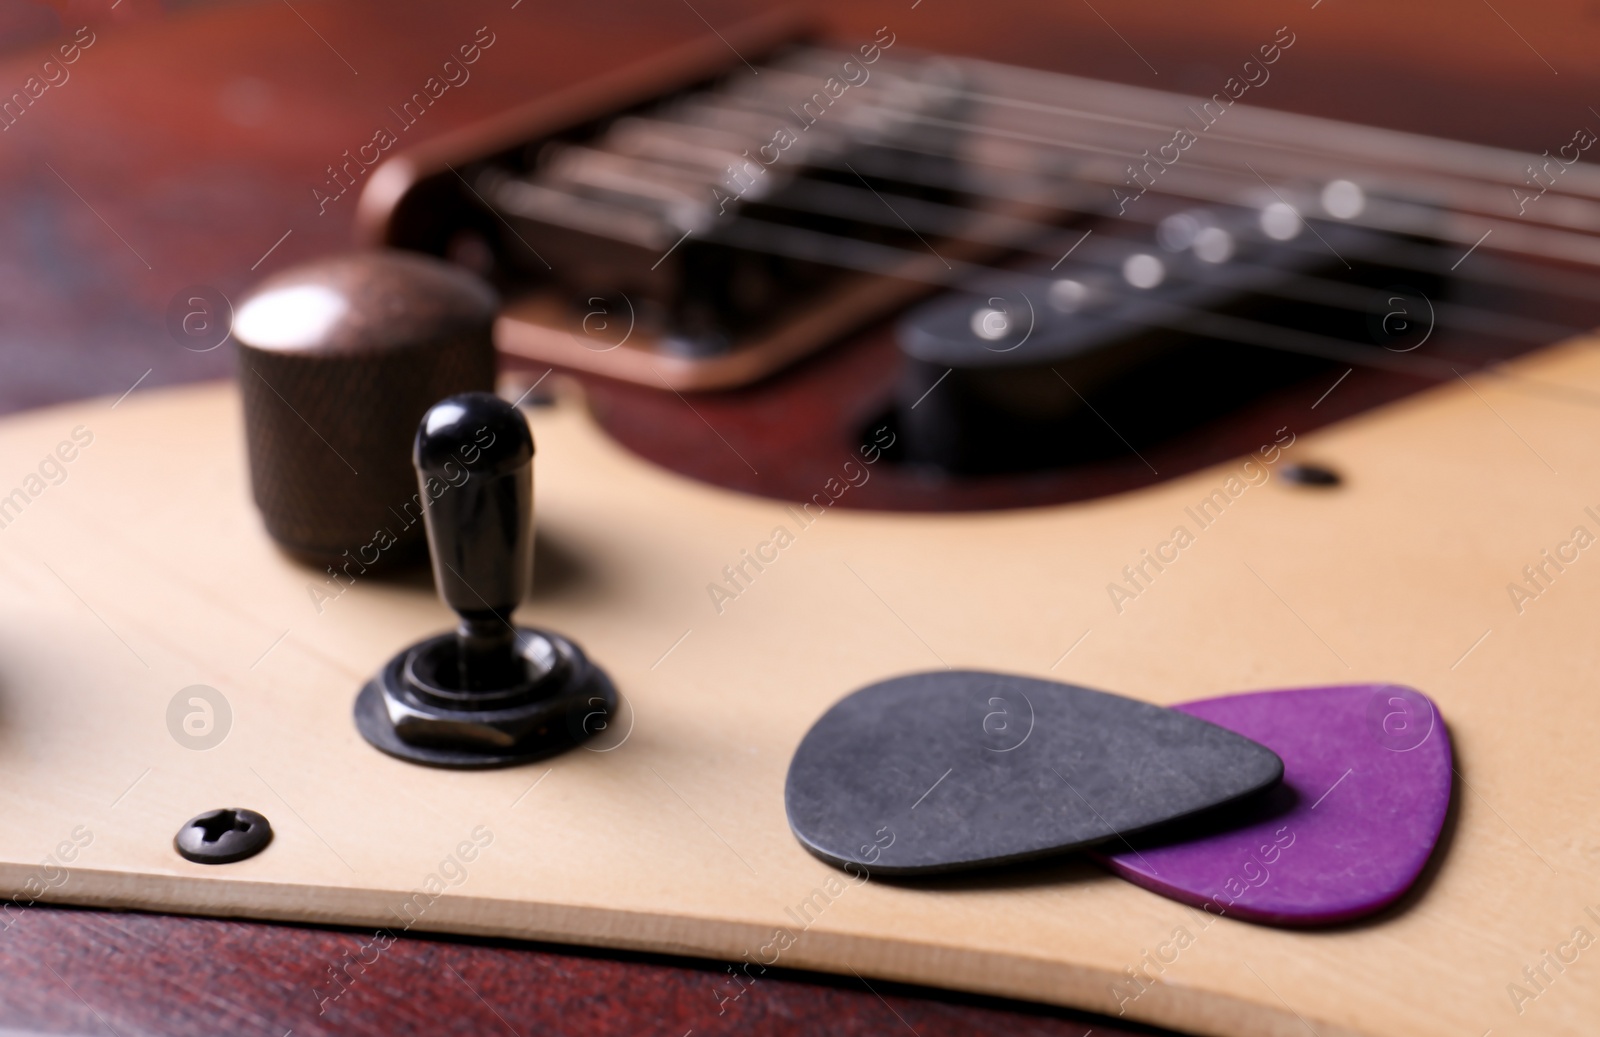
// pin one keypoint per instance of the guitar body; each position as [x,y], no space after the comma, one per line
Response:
[138,570]
[670,836]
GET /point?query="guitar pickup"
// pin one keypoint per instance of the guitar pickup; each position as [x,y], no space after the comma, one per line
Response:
[711,237]
[1223,305]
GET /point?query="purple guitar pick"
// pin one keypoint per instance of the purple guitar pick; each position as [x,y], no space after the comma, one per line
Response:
[1366,784]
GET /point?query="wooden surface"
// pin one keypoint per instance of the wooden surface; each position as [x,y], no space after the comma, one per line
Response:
[675,839]
[86,972]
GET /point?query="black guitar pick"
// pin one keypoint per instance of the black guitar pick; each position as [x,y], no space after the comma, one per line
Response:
[951,770]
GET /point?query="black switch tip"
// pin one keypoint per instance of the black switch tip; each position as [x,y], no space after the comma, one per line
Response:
[477,431]
[474,460]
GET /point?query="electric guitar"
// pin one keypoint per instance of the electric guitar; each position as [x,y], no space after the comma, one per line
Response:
[970,349]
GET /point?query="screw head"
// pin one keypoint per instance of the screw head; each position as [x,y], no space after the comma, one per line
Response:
[223,836]
[1311,475]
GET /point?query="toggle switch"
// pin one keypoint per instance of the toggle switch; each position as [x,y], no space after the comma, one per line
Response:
[489,693]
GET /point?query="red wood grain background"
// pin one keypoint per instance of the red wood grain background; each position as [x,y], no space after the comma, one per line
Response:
[88,972]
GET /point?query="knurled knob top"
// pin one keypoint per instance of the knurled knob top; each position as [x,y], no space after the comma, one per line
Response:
[338,360]
[366,302]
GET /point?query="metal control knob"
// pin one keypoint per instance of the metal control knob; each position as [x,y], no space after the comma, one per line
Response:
[338,358]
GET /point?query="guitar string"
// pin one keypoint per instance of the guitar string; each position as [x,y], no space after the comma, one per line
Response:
[792,241]
[764,101]
[873,258]
[1394,252]
[1003,86]
[1479,179]
[944,221]
[1044,239]
[1382,213]
[1458,195]
[1418,256]
[1219,185]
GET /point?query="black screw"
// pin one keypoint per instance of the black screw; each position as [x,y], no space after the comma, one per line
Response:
[1311,475]
[223,836]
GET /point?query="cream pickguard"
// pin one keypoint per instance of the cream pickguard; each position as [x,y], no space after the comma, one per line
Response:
[145,572]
